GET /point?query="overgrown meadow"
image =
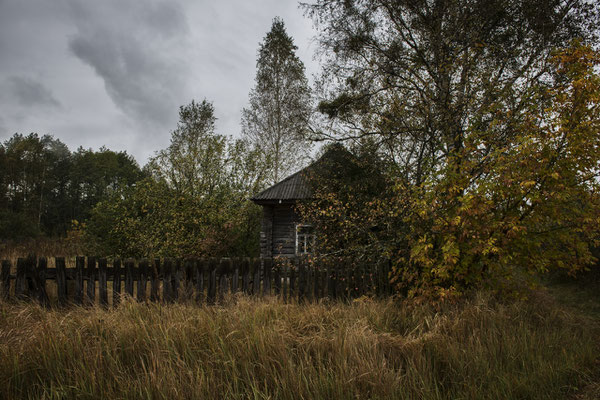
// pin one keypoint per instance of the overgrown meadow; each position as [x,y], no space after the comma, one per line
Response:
[483,347]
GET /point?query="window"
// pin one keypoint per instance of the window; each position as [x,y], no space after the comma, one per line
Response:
[305,239]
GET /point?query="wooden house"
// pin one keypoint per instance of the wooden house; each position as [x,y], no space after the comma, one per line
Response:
[282,233]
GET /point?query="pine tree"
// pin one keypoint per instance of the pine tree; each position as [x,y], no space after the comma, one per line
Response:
[277,119]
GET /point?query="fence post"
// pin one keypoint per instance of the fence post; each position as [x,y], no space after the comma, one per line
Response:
[293,282]
[102,283]
[79,264]
[246,275]
[212,281]
[188,271]
[301,279]
[142,279]
[117,273]
[236,275]
[166,275]
[129,264]
[91,280]
[154,281]
[40,281]
[316,273]
[256,278]
[199,268]
[267,265]
[5,279]
[176,279]
[61,280]
[276,276]
[223,271]
[285,268]
[20,280]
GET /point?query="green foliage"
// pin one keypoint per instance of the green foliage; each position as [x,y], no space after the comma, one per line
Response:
[276,122]
[488,135]
[43,186]
[195,203]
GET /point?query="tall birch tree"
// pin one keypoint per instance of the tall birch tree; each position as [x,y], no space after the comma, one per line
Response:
[276,119]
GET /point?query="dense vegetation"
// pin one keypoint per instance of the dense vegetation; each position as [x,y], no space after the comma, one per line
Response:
[44,186]
[483,120]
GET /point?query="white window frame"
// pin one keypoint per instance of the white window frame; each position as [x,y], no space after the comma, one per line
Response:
[306,238]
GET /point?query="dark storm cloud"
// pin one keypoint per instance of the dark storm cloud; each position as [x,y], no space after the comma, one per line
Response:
[28,92]
[133,47]
[120,69]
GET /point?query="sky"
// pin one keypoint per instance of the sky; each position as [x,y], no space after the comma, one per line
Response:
[115,72]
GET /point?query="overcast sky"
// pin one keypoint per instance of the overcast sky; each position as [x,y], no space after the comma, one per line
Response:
[114,72]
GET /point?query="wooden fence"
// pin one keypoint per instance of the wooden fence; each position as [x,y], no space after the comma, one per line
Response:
[199,280]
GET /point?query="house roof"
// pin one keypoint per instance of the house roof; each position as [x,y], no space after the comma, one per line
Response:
[294,187]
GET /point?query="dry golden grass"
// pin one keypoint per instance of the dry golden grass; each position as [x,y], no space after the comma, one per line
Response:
[264,349]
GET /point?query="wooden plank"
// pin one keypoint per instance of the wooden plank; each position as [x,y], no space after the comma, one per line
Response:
[246,275]
[198,271]
[5,279]
[224,269]
[176,280]
[20,281]
[61,281]
[235,275]
[256,278]
[276,276]
[102,283]
[301,279]
[90,281]
[267,274]
[331,280]
[117,274]
[129,277]
[79,265]
[316,274]
[293,283]
[142,280]
[40,282]
[285,273]
[166,275]
[188,276]
[155,281]
[212,282]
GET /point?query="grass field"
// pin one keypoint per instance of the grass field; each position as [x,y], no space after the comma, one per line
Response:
[533,348]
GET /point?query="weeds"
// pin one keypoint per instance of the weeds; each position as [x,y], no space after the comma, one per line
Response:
[482,348]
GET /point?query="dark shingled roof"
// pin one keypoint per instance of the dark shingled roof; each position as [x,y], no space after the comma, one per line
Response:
[294,187]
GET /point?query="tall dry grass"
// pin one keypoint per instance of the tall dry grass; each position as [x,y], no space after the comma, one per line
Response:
[264,349]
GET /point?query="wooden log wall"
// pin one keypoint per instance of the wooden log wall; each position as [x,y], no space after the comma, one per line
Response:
[204,281]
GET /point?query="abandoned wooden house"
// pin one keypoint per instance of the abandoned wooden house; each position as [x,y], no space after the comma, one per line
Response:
[282,232]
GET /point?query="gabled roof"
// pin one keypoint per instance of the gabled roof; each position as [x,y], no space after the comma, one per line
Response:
[294,187]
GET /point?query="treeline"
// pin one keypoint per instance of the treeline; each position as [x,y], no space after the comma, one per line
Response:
[44,186]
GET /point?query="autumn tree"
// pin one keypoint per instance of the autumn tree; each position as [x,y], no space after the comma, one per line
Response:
[480,111]
[276,120]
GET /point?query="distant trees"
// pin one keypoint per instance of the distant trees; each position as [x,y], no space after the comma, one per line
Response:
[276,120]
[43,186]
[486,114]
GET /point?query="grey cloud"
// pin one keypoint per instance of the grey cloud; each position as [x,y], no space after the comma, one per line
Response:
[28,92]
[134,49]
